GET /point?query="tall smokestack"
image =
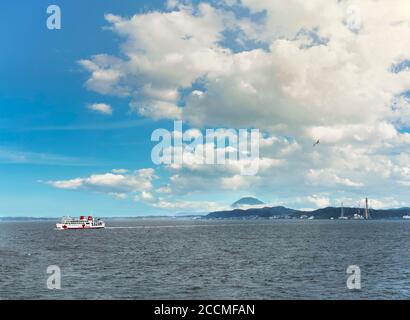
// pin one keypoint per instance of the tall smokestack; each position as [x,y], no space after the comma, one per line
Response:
[366,211]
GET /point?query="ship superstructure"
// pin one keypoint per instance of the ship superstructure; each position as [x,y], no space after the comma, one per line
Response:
[68,223]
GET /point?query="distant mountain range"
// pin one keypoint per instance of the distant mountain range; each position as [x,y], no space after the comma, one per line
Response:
[324,213]
[243,209]
[26,218]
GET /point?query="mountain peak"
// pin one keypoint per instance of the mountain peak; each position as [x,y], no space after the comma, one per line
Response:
[247,201]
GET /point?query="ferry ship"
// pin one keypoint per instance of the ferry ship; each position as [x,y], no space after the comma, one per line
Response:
[68,223]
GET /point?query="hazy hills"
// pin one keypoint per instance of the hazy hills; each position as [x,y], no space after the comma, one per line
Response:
[324,213]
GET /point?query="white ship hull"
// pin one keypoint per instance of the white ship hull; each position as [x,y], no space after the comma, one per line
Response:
[83,223]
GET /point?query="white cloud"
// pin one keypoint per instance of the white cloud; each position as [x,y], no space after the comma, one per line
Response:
[165,51]
[235,182]
[290,88]
[102,108]
[164,189]
[119,171]
[147,196]
[316,70]
[117,195]
[385,203]
[158,110]
[111,183]
[327,177]
[71,184]
[318,201]
[185,205]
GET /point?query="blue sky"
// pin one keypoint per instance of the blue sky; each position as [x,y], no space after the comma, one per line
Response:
[46,131]
[212,64]
[43,114]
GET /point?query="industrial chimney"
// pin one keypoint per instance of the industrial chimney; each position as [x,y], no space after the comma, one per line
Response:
[366,211]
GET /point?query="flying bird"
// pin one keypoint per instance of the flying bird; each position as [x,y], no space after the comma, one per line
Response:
[316,143]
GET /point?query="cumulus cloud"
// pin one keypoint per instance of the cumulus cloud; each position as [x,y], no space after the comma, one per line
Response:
[102,108]
[306,70]
[327,177]
[187,205]
[119,170]
[118,195]
[137,185]
[111,183]
[282,88]
[318,201]
[165,51]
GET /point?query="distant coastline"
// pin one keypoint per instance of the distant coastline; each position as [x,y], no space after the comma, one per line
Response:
[276,212]
[14,218]
[280,212]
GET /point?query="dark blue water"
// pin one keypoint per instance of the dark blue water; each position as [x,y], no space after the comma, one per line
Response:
[184,259]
